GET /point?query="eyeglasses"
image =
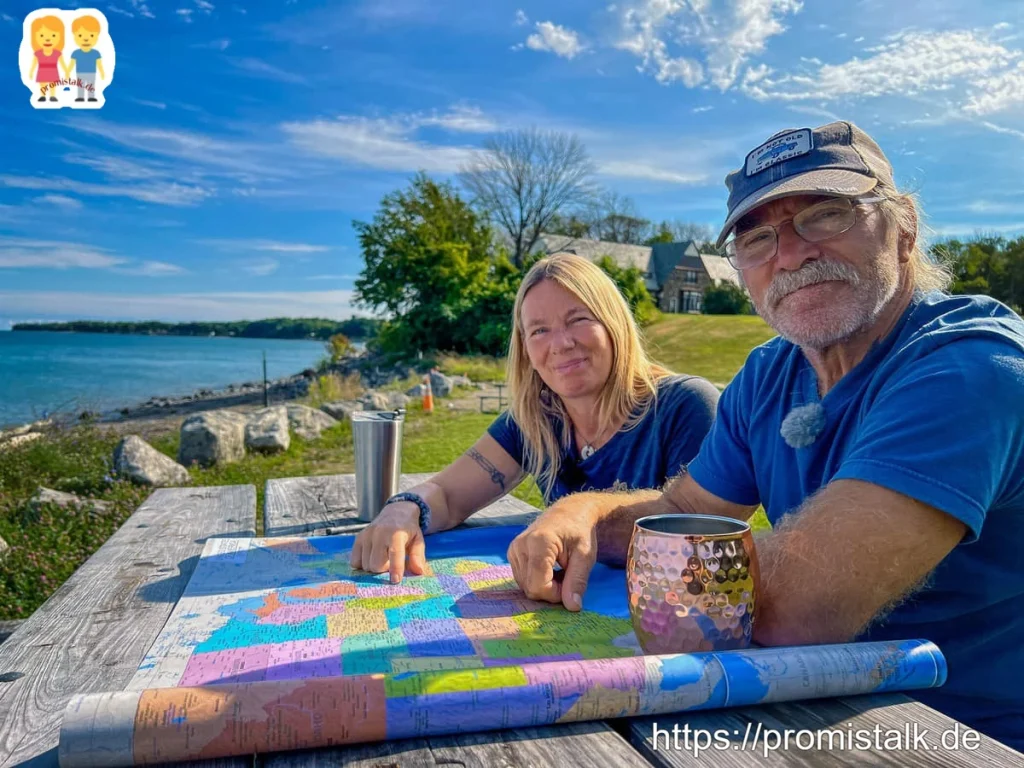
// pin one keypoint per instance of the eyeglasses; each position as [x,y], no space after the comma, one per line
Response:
[816,223]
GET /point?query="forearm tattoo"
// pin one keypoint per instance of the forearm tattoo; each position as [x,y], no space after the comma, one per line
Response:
[497,477]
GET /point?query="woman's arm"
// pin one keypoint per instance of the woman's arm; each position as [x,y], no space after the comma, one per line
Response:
[484,473]
[481,475]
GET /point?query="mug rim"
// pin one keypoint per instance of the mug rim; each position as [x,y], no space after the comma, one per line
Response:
[742,525]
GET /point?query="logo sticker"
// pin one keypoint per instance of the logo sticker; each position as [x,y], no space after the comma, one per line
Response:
[779,148]
[66,58]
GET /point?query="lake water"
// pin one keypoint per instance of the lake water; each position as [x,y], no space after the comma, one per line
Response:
[42,372]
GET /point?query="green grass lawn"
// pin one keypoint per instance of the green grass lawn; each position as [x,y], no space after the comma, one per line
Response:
[49,543]
[712,346]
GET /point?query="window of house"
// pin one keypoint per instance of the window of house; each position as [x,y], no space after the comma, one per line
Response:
[690,276]
[689,301]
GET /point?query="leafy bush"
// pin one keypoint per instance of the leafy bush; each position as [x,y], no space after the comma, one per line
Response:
[725,298]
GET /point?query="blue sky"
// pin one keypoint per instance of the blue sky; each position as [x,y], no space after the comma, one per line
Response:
[239,140]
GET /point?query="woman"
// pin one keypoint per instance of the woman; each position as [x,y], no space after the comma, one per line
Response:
[48,52]
[588,411]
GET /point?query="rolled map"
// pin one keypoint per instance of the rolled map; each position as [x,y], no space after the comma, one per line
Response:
[170,724]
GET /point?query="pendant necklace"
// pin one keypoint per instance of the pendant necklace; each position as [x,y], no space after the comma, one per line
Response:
[588,448]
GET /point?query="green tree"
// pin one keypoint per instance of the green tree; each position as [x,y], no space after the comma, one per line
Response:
[428,264]
[722,297]
[630,281]
[338,346]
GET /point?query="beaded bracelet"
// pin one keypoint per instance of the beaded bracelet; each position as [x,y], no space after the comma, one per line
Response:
[419,501]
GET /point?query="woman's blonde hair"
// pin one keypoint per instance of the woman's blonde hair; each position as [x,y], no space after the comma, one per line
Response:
[629,392]
[54,23]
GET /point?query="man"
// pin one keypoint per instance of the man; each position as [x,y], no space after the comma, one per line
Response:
[86,59]
[882,431]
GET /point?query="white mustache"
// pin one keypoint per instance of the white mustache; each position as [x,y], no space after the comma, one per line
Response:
[815,272]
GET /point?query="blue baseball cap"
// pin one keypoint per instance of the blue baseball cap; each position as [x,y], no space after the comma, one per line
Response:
[838,159]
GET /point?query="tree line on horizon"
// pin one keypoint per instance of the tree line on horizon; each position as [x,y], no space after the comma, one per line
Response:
[318,329]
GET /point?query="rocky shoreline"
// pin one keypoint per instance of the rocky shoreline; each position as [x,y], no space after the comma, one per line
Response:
[374,372]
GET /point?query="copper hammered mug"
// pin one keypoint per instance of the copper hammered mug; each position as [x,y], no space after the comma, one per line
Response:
[692,583]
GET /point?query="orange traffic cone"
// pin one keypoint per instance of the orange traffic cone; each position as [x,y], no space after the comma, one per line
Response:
[428,396]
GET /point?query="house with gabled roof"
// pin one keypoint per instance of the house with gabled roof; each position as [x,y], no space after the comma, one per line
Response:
[675,274]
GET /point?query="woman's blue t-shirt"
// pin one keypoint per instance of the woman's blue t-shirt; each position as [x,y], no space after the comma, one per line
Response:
[646,456]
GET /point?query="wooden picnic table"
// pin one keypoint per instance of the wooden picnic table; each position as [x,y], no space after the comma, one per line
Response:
[91,635]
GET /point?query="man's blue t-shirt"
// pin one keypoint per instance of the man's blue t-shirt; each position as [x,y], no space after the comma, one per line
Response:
[646,456]
[85,61]
[935,411]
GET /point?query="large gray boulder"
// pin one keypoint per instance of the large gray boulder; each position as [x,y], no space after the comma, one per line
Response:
[267,430]
[138,461]
[214,437]
[374,401]
[341,410]
[397,400]
[308,422]
[61,499]
[440,385]
[417,391]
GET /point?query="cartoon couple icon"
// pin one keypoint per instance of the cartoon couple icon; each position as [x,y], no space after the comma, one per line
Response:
[47,42]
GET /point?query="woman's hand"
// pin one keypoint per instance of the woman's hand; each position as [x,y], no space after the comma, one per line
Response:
[384,544]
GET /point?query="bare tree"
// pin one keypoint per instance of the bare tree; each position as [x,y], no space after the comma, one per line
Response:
[616,220]
[524,178]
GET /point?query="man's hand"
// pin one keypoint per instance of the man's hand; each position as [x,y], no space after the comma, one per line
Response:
[384,544]
[567,538]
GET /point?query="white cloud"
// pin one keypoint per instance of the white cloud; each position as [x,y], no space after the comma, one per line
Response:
[998,92]
[521,18]
[230,244]
[460,118]
[698,110]
[973,72]
[971,228]
[217,45]
[8,19]
[160,193]
[62,201]
[18,252]
[650,172]
[142,9]
[375,143]
[557,39]
[247,160]
[153,104]
[1001,129]
[261,268]
[120,11]
[153,269]
[726,33]
[988,206]
[27,253]
[260,68]
[204,6]
[335,305]
[185,14]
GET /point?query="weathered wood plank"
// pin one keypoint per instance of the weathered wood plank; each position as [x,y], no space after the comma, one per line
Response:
[298,506]
[853,718]
[591,744]
[94,630]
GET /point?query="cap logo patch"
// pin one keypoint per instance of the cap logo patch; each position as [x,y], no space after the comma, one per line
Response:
[779,148]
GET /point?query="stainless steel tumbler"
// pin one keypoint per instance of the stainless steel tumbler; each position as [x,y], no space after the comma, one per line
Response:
[378,446]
